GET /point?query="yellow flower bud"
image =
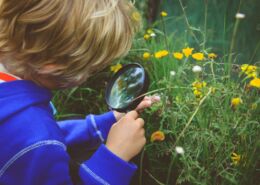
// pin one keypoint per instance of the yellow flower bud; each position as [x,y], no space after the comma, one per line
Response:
[150,31]
[164,14]
[197,93]
[116,68]
[212,56]
[147,37]
[254,106]
[146,55]
[235,158]
[136,16]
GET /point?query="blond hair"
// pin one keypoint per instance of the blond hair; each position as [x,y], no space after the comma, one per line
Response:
[77,37]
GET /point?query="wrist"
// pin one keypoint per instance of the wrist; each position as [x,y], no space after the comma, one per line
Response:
[118,153]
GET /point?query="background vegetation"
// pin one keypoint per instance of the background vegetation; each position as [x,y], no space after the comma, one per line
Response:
[220,138]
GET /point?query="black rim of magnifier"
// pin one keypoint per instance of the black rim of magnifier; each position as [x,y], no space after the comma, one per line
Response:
[136,102]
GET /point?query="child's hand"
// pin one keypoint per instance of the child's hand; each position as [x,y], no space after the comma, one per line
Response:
[147,102]
[127,137]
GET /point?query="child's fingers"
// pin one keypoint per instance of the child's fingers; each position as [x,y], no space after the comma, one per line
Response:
[154,98]
[144,104]
[147,102]
[147,98]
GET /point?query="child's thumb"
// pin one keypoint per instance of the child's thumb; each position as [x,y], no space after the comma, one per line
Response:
[132,115]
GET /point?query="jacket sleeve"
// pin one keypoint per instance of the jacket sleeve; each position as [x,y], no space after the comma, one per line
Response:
[91,131]
[106,168]
[49,164]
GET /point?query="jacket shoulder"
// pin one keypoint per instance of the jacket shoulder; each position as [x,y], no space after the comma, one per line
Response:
[32,125]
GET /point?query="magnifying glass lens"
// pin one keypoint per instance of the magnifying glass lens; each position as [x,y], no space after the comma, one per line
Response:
[125,87]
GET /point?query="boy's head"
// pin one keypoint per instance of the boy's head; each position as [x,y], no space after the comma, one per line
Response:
[63,41]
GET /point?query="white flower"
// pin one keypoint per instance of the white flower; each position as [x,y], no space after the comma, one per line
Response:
[172,73]
[240,16]
[196,69]
[179,150]
[153,35]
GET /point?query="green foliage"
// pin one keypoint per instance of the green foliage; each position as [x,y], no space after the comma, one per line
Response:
[212,23]
[79,101]
[209,131]
[208,127]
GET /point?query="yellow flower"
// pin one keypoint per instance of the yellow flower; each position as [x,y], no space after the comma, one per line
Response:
[236,101]
[255,83]
[157,136]
[235,158]
[252,75]
[213,90]
[146,55]
[164,14]
[178,55]
[147,37]
[198,56]
[116,68]
[254,106]
[161,54]
[136,16]
[187,51]
[249,70]
[150,31]
[197,93]
[212,56]
[199,85]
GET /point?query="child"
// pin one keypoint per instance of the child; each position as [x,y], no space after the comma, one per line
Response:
[56,44]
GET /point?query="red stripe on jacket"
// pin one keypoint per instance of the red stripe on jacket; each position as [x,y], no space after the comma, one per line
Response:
[6,77]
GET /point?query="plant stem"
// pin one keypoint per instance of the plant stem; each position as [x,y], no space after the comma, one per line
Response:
[187,22]
[233,43]
[193,115]
[182,133]
[158,182]
[224,38]
[232,47]
[212,71]
[169,171]
[165,34]
[141,168]
[158,90]
[166,42]
[254,53]
[205,23]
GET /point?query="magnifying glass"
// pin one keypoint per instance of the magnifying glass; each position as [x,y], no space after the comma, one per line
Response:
[124,91]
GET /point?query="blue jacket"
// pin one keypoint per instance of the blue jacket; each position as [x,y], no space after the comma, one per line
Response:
[33,145]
